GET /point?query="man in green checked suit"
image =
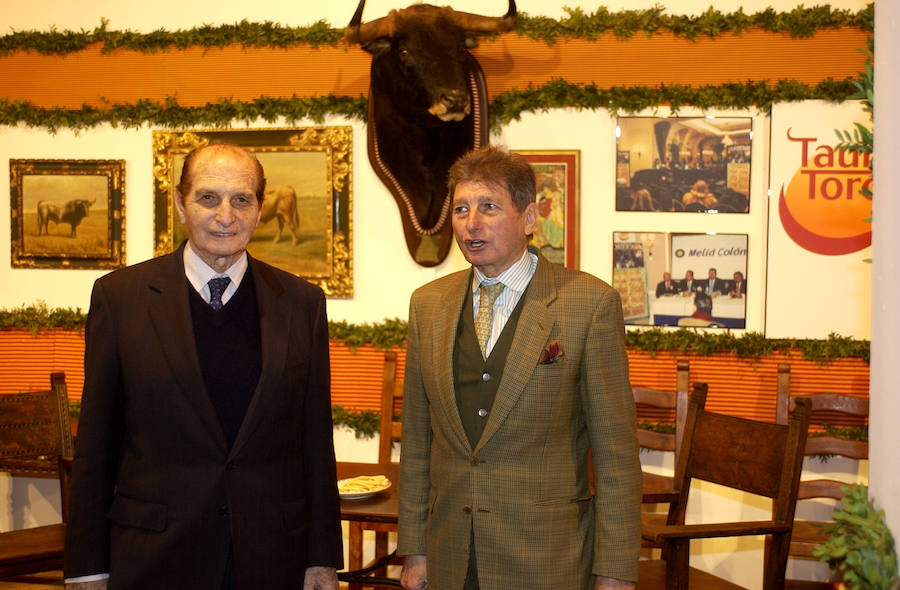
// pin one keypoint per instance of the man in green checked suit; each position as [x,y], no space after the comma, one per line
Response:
[515,370]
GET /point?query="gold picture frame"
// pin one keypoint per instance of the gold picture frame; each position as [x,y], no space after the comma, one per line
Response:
[67,213]
[313,164]
[558,176]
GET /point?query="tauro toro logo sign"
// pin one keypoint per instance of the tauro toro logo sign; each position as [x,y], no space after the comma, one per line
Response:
[822,208]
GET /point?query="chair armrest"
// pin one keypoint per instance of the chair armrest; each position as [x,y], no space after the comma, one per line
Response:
[658,533]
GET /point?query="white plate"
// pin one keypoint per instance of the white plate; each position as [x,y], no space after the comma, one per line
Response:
[361,495]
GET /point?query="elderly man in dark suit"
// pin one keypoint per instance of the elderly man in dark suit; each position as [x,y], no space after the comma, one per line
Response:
[515,370]
[204,457]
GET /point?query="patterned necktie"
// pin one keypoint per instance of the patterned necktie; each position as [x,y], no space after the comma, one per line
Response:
[217,286]
[485,317]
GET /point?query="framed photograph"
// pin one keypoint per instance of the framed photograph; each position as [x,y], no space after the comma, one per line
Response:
[558,174]
[67,213]
[680,279]
[693,164]
[305,226]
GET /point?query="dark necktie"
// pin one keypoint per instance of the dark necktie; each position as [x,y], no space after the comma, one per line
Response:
[217,286]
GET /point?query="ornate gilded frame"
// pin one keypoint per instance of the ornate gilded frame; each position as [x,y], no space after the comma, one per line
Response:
[320,157]
[40,192]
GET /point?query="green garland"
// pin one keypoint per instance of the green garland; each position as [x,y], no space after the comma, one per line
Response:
[800,22]
[365,423]
[506,107]
[392,333]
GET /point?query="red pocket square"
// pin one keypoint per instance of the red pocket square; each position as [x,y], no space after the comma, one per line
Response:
[554,353]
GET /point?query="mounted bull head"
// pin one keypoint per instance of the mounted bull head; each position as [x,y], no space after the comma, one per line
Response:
[427,107]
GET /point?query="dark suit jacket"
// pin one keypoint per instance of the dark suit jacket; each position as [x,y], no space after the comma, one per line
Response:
[661,288]
[523,488]
[157,497]
[719,285]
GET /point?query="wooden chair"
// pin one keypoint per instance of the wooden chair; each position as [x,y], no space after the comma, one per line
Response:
[389,432]
[36,441]
[674,403]
[808,534]
[756,457]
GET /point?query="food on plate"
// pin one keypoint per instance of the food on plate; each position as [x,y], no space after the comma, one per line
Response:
[363,483]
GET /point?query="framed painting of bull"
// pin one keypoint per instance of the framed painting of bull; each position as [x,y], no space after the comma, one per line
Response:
[305,226]
[67,213]
[558,175]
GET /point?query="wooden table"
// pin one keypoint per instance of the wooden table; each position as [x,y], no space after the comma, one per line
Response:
[657,489]
[378,512]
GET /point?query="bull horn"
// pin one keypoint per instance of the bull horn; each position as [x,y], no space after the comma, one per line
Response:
[476,23]
[361,33]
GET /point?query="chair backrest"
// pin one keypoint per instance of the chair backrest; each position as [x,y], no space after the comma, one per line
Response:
[391,398]
[36,434]
[831,406]
[756,457]
[673,402]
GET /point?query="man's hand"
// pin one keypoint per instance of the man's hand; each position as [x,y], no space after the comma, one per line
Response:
[601,583]
[320,578]
[414,575]
[92,585]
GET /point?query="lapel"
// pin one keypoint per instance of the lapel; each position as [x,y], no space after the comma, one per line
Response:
[170,316]
[532,332]
[445,322]
[274,329]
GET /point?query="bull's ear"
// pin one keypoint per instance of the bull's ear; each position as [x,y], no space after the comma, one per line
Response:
[379,45]
[471,41]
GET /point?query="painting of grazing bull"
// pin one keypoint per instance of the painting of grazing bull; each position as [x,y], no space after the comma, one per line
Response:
[427,107]
[281,204]
[72,213]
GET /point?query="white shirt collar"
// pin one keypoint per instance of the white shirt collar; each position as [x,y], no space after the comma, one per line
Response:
[516,277]
[198,273]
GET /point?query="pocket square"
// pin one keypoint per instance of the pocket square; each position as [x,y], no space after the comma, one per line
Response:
[554,353]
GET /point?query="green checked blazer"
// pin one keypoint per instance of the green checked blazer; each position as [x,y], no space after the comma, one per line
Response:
[523,489]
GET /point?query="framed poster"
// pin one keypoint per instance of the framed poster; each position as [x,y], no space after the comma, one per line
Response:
[305,227]
[694,164]
[680,279]
[558,176]
[67,213]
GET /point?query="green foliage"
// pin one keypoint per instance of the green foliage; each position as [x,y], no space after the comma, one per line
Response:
[247,34]
[365,422]
[860,547]
[800,22]
[392,332]
[384,335]
[662,427]
[38,316]
[751,345]
[505,107]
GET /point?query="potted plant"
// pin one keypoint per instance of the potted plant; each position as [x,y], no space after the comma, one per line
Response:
[860,548]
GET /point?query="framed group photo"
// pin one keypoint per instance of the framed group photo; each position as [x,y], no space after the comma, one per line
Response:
[683,164]
[681,279]
[305,227]
[67,213]
[558,176]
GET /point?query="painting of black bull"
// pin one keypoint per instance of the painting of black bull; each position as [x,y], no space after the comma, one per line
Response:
[280,203]
[72,213]
[423,110]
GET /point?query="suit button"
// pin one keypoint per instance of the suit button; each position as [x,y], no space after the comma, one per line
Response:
[475,461]
[485,376]
[223,510]
[467,509]
[482,412]
[230,466]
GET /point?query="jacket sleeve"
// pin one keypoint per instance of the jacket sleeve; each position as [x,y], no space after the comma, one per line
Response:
[97,444]
[414,465]
[324,541]
[609,405]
